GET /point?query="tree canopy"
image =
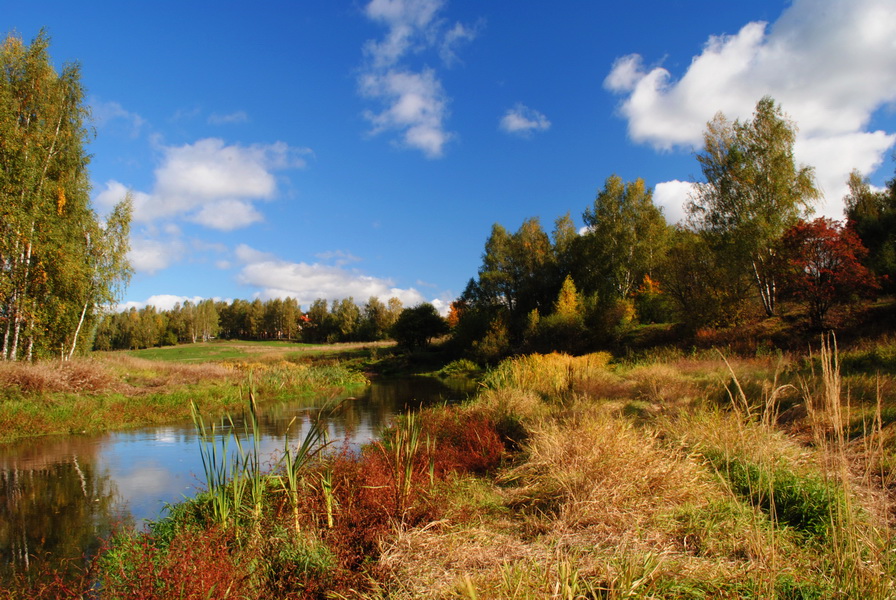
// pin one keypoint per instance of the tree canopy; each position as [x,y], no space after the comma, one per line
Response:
[752,192]
[59,262]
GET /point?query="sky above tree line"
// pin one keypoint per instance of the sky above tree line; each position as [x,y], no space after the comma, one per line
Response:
[328,149]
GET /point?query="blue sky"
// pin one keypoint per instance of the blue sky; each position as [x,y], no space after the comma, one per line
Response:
[345,148]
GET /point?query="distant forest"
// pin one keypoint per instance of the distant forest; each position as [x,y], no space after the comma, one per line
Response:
[277,319]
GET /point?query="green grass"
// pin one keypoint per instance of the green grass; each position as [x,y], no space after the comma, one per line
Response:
[221,350]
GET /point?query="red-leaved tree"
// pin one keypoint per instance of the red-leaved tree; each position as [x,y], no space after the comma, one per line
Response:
[822,266]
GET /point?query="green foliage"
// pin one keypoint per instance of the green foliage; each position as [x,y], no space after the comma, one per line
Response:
[625,238]
[461,366]
[872,215]
[61,263]
[753,192]
[494,346]
[704,288]
[805,502]
[416,326]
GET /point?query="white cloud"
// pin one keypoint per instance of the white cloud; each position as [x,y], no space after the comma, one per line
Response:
[829,63]
[227,215]
[672,197]
[278,278]
[246,254]
[233,118]
[167,301]
[522,120]
[416,106]
[210,183]
[454,37]
[113,193]
[149,255]
[160,301]
[413,102]
[409,23]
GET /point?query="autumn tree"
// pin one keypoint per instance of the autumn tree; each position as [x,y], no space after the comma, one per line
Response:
[824,267]
[377,318]
[58,263]
[516,272]
[346,318]
[752,192]
[625,238]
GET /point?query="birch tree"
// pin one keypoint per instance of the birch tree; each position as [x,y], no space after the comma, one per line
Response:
[753,191]
[54,264]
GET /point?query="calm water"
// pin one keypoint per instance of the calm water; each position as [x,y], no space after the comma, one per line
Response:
[60,495]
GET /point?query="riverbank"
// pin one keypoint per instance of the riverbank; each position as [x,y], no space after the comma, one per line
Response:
[114,391]
[673,476]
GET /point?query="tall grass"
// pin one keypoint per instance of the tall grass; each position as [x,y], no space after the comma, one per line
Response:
[861,551]
[551,375]
[235,477]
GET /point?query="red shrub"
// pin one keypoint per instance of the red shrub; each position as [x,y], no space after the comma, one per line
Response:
[196,566]
[466,440]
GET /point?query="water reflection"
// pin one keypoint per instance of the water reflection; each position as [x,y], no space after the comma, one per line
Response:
[56,500]
[59,496]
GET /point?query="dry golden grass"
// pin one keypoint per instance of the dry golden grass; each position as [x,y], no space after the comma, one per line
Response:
[600,477]
[115,373]
[551,375]
[140,376]
[81,375]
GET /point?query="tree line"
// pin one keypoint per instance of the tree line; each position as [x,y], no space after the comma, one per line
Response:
[275,319]
[747,244]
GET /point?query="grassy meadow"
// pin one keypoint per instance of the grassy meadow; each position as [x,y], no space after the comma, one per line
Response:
[671,475]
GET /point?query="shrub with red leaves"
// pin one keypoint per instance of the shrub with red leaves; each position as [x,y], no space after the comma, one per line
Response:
[823,266]
[466,440]
[196,566]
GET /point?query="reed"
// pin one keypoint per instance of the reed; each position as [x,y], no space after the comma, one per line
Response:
[295,460]
[401,451]
[224,491]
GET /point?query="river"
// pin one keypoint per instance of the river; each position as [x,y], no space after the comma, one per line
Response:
[61,495]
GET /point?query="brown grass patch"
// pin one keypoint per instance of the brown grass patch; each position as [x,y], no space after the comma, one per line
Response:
[80,375]
[602,474]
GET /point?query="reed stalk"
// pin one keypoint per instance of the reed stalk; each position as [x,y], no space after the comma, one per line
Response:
[294,460]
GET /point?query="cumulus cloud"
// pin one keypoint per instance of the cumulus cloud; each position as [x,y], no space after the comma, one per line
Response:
[277,278]
[210,183]
[114,192]
[412,100]
[522,120]
[829,63]
[206,173]
[150,255]
[672,196]
[160,301]
[416,106]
